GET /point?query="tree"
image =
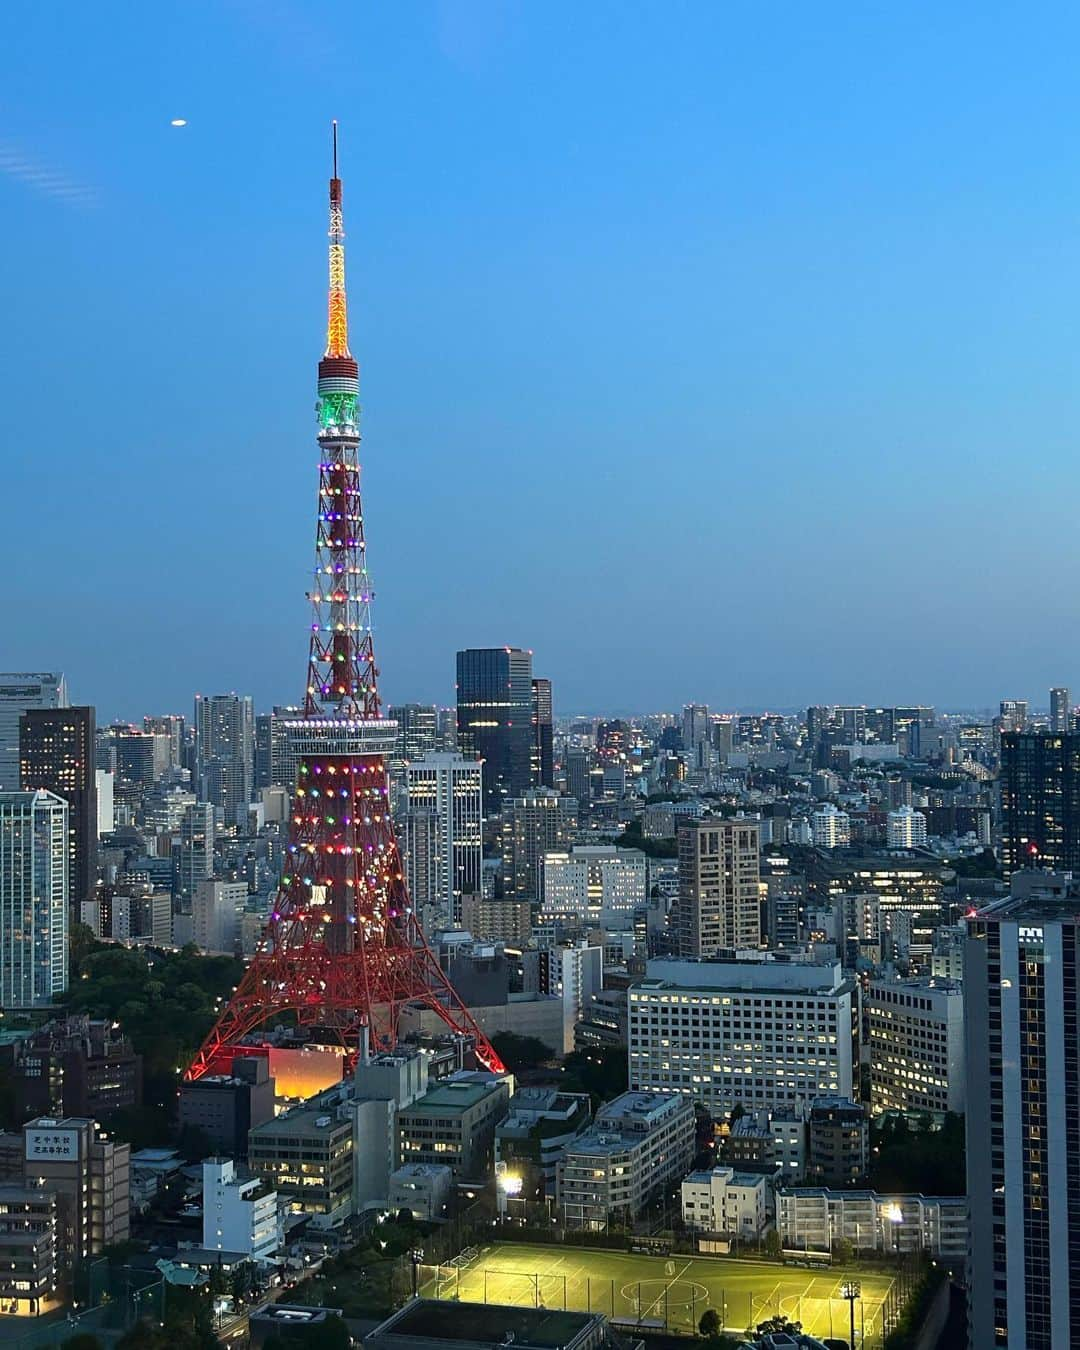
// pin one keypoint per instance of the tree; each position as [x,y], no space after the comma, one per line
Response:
[600,1071]
[82,1340]
[519,1053]
[772,1242]
[843,1250]
[709,1323]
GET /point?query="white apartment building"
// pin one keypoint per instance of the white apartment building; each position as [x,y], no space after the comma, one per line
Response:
[34,860]
[726,1201]
[239,1215]
[601,885]
[905,828]
[638,1143]
[217,909]
[450,786]
[830,827]
[759,1032]
[813,1219]
[916,1045]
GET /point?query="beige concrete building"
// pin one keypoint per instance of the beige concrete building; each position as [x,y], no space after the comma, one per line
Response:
[719,901]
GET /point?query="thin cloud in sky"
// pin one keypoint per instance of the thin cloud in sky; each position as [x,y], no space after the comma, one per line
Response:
[17,164]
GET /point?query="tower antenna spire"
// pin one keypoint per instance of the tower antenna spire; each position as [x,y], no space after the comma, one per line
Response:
[337,322]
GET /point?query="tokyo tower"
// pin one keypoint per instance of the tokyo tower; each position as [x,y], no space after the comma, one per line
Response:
[343,950]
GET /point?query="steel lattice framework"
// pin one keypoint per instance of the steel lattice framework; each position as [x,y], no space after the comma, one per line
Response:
[343,950]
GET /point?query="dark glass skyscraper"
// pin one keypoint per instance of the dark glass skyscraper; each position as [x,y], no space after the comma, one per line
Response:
[56,752]
[495,718]
[543,769]
[1040,801]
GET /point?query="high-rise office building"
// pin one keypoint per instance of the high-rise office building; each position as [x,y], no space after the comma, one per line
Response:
[216,910]
[577,776]
[417,730]
[1012,714]
[537,823]
[140,756]
[418,837]
[225,752]
[543,727]
[1040,801]
[1022,1031]
[1060,710]
[174,728]
[494,718]
[33,898]
[56,752]
[196,860]
[695,725]
[451,786]
[719,901]
[18,695]
[275,763]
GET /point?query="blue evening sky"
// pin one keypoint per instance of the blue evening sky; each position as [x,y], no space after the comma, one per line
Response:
[713,351]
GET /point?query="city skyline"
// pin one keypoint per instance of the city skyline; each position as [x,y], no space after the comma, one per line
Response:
[687,262]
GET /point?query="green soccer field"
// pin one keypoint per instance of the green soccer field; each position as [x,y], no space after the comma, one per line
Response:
[669,1292]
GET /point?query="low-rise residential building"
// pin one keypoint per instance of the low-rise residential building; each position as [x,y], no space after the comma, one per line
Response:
[916,1045]
[240,1214]
[306,1155]
[421,1188]
[539,1124]
[28,1273]
[726,1201]
[638,1143]
[768,1142]
[816,1219]
[837,1142]
[453,1124]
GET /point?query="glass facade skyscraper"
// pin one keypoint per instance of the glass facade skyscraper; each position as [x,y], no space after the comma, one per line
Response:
[495,718]
[1040,801]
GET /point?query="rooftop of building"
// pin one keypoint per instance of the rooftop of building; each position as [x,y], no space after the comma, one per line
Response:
[876,1197]
[315,1116]
[919,984]
[425,1170]
[454,1095]
[294,1314]
[485,1324]
[764,972]
[730,1175]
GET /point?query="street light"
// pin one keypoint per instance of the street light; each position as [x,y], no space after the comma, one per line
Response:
[416,1256]
[506,1185]
[851,1291]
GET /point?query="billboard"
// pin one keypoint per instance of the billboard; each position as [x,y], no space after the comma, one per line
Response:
[52,1145]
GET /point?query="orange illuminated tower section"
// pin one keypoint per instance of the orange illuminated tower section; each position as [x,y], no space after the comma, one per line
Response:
[343,950]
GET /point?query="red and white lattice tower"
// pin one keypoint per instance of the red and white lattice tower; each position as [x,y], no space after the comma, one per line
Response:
[343,950]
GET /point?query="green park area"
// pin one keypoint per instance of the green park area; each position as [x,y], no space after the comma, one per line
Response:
[669,1292]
